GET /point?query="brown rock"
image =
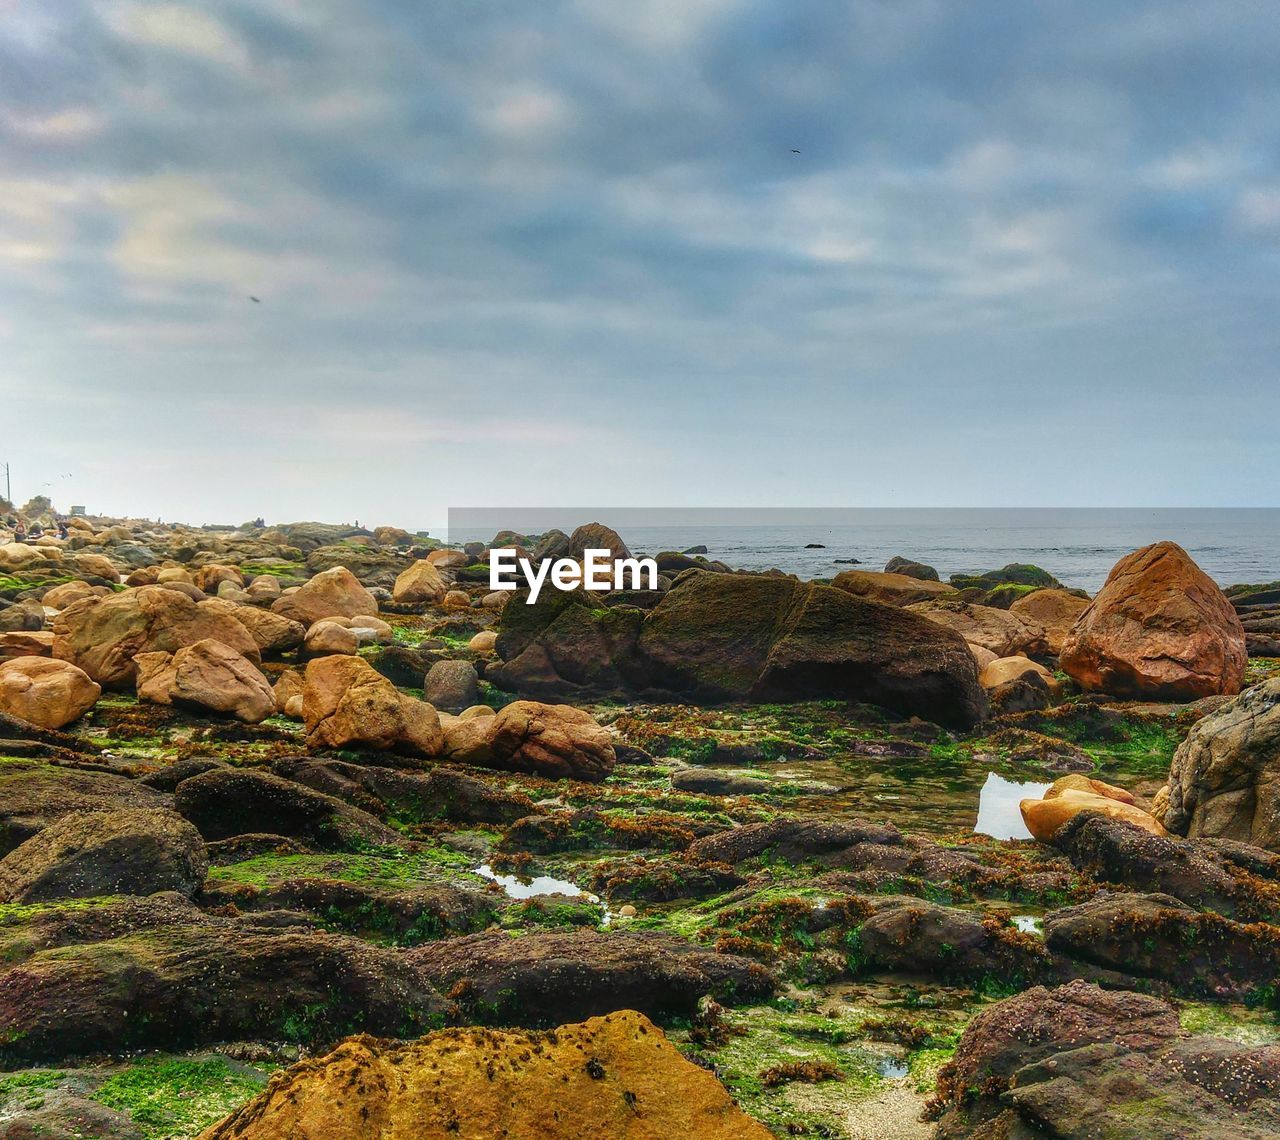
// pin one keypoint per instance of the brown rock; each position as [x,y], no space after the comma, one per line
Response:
[484,641]
[97,565]
[456,600]
[1159,628]
[609,1078]
[893,589]
[271,633]
[26,643]
[328,637]
[1056,610]
[420,582]
[126,851]
[1002,632]
[556,741]
[102,635]
[288,686]
[1005,669]
[331,593]
[208,676]
[1224,781]
[209,578]
[1074,794]
[447,560]
[45,692]
[60,597]
[345,701]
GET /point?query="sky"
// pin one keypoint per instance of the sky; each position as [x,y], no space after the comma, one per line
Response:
[513,253]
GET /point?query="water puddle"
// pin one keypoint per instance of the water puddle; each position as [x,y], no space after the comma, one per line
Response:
[998,814]
[892,1068]
[518,888]
[1028,924]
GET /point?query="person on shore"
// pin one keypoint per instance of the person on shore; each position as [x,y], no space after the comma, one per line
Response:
[20,532]
[62,527]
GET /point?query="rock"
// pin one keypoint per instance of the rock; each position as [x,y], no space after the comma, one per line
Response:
[22,617]
[421,582]
[60,597]
[327,637]
[44,692]
[1117,851]
[331,593]
[1026,1042]
[596,536]
[554,741]
[891,588]
[156,974]
[1005,669]
[1071,795]
[126,851]
[450,559]
[442,793]
[167,779]
[790,839]
[264,588]
[609,1078]
[1224,780]
[484,641]
[715,782]
[910,569]
[456,600]
[103,635]
[34,795]
[1145,937]
[224,802]
[914,935]
[1055,610]
[33,643]
[451,685]
[209,577]
[96,565]
[1159,628]
[369,630]
[271,633]
[288,689]
[541,978]
[345,701]
[208,677]
[728,636]
[1003,632]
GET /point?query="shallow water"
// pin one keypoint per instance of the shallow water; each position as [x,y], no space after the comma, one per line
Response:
[539,885]
[998,814]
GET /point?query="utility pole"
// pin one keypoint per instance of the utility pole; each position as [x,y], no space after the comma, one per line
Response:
[8,491]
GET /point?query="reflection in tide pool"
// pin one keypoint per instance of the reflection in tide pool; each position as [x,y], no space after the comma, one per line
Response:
[541,885]
[998,814]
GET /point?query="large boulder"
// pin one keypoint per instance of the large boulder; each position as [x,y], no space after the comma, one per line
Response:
[34,795]
[1159,628]
[208,677]
[271,633]
[1055,610]
[610,1078]
[555,741]
[332,593]
[451,685]
[1224,780]
[421,582]
[893,588]
[1003,632]
[717,637]
[911,568]
[127,851]
[103,635]
[154,973]
[728,636]
[1081,1061]
[225,802]
[45,692]
[345,701]
[541,978]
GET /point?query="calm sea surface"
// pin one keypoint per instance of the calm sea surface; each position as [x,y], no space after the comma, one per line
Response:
[1078,546]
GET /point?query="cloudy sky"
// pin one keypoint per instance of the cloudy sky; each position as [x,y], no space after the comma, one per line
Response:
[560,252]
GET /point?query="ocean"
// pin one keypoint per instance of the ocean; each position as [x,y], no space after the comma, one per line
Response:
[1077,545]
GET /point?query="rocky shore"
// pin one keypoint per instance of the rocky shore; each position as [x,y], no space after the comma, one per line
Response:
[304,833]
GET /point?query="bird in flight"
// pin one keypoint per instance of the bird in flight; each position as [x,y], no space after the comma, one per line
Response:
[794,151]
[255,300]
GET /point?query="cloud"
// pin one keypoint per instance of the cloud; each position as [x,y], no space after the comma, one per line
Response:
[571,242]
